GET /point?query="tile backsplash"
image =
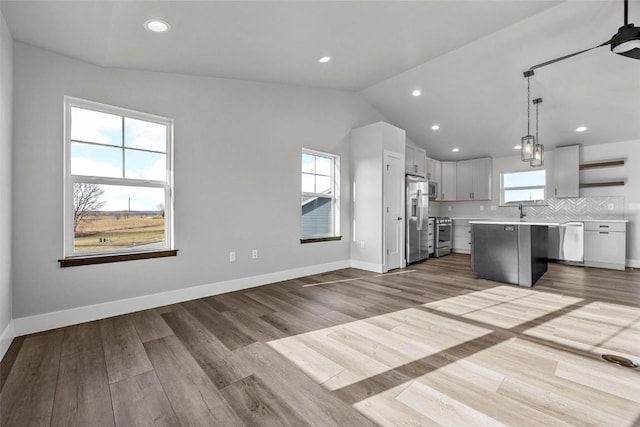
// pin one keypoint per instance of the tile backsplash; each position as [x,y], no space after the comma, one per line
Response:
[601,207]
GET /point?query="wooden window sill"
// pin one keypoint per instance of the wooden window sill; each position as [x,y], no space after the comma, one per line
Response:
[320,239]
[103,259]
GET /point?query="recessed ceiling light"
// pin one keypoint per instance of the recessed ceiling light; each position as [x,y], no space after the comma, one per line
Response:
[416,92]
[455,150]
[517,147]
[581,128]
[324,59]
[157,26]
[435,127]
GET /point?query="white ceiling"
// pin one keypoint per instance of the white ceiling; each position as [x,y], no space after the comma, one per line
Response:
[467,57]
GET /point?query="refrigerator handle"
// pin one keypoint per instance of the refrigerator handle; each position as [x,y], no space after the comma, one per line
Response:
[419,210]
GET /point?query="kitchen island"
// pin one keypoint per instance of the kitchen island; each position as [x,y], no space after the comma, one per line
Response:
[512,252]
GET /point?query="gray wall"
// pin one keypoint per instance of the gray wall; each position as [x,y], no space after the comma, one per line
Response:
[237,177]
[6,88]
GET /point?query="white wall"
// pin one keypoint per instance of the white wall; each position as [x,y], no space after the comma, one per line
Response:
[625,199]
[6,89]
[237,177]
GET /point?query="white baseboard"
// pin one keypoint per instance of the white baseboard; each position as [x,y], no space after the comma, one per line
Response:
[73,316]
[635,263]
[369,266]
[6,337]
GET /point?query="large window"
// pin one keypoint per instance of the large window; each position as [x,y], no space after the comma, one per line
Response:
[118,176]
[523,187]
[320,198]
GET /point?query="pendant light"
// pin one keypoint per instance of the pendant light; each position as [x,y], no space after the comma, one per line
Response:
[528,141]
[537,155]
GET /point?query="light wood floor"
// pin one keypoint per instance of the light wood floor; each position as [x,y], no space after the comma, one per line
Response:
[429,345]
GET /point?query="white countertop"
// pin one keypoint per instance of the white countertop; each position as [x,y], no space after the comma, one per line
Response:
[534,221]
[517,222]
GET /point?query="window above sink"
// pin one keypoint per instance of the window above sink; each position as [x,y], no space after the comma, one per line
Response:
[526,187]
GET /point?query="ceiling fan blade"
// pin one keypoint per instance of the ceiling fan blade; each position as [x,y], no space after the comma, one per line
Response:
[608,42]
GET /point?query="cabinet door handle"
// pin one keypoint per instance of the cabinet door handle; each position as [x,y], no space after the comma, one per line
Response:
[604,232]
[415,168]
[604,226]
[556,192]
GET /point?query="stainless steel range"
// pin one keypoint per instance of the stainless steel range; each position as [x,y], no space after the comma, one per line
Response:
[443,236]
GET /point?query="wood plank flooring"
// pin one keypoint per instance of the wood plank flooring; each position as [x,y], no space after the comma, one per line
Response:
[428,345]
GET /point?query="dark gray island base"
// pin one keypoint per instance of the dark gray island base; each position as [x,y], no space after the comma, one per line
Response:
[513,253]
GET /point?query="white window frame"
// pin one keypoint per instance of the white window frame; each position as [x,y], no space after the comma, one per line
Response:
[335,192]
[531,187]
[70,179]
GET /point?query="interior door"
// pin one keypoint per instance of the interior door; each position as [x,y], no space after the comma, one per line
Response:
[393,210]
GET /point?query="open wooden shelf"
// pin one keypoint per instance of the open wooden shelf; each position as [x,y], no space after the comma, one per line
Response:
[607,164]
[601,184]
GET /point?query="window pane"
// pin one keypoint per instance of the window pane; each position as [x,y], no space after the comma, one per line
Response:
[323,165]
[323,184]
[317,217]
[111,217]
[308,183]
[93,126]
[145,165]
[535,194]
[308,163]
[524,179]
[96,160]
[145,135]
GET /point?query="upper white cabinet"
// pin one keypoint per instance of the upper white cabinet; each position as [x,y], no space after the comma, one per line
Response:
[415,161]
[474,179]
[448,187]
[434,174]
[566,171]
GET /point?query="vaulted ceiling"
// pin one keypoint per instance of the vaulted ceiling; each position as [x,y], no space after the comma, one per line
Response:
[467,58]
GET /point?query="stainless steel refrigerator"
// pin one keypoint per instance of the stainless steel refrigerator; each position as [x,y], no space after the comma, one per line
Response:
[417,215]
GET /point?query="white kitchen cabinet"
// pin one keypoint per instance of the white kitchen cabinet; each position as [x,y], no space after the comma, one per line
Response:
[461,236]
[474,179]
[566,171]
[605,244]
[415,161]
[448,187]
[377,196]
[464,180]
[434,174]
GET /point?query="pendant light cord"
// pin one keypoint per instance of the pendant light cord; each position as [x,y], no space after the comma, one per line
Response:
[537,139]
[528,105]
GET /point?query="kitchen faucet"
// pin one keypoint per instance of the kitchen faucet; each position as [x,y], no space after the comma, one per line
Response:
[521,209]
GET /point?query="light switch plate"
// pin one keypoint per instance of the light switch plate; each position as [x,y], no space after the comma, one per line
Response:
[481,207]
[449,208]
[494,207]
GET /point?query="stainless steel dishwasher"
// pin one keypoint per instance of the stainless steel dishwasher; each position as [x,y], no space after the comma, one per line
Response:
[566,243]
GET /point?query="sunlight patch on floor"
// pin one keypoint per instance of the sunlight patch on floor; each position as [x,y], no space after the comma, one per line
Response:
[515,382]
[598,328]
[503,306]
[345,354]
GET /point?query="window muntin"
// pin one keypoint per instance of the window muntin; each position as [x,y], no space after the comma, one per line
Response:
[320,201]
[523,187]
[118,182]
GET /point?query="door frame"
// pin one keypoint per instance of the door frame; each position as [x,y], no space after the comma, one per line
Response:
[401,184]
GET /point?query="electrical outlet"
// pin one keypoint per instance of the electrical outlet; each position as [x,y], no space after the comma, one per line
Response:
[494,207]
[449,208]
[481,207]
[232,256]
[361,244]
[254,254]
[610,206]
